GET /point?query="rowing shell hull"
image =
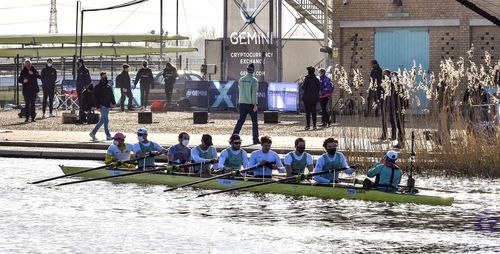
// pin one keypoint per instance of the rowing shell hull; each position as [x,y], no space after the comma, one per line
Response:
[325,192]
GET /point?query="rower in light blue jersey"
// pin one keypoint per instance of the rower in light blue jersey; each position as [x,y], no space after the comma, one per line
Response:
[297,161]
[267,158]
[145,147]
[331,160]
[387,173]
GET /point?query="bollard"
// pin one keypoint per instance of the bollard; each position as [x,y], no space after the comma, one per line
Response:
[145,117]
[200,117]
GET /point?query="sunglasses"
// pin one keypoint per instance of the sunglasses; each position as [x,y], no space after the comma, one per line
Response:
[140,134]
[237,143]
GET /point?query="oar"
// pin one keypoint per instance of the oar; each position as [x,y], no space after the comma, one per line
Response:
[233,173]
[297,178]
[129,174]
[88,170]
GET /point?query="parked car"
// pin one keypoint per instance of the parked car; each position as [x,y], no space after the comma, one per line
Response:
[179,90]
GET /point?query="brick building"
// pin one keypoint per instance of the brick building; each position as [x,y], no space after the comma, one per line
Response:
[425,30]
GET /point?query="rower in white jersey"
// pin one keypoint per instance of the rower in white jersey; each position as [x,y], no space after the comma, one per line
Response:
[267,159]
[119,151]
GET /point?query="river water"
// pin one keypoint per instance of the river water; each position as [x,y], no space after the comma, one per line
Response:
[102,217]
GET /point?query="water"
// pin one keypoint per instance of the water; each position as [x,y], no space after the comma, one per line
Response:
[102,217]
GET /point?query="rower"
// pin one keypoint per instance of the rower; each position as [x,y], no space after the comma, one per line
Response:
[180,153]
[204,153]
[387,174]
[297,161]
[233,157]
[331,160]
[119,151]
[146,147]
[267,158]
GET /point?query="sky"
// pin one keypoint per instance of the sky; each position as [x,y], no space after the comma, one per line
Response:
[32,17]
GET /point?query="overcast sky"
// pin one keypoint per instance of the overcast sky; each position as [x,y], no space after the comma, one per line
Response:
[32,16]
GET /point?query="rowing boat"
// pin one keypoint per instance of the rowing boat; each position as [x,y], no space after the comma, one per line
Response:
[296,189]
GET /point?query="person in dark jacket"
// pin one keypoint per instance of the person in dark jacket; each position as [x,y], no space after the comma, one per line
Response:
[28,78]
[325,92]
[49,77]
[397,105]
[310,96]
[82,81]
[104,99]
[375,93]
[169,75]
[145,76]
[123,82]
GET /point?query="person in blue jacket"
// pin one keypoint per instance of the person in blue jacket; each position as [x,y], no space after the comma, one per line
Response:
[387,173]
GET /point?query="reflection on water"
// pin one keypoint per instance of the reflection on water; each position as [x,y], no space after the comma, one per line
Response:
[121,218]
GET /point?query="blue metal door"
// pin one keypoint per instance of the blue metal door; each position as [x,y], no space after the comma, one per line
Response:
[397,48]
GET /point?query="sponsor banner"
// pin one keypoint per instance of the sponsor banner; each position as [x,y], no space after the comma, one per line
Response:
[223,94]
[197,93]
[263,57]
[283,96]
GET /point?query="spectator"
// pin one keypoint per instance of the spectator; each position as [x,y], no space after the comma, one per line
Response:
[82,81]
[28,78]
[123,82]
[311,96]
[105,100]
[374,92]
[169,75]
[248,88]
[145,75]
[49,77]
[325,92]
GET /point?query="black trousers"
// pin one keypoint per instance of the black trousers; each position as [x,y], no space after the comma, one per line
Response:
[310,112]
[48,93]
[325,117]
[144,95]
[29,100]
[81,113]
[168,91]
[128,93]
[383,111]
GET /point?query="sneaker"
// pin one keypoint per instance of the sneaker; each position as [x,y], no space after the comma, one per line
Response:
[397,146]
[92,136]
[52,115]
[314,128]
[27,120]
[322,125]
[43,116]
[256,142]
[109,138]
[33,120]
[306,128]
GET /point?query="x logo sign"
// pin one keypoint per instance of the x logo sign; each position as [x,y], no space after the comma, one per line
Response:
[223,89]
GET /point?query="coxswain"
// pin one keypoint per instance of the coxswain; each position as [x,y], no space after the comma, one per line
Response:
[146,148]
[266,158]
[297,161]
[233,157]
[206,154]
[331,160]
[387,174]
[119,151]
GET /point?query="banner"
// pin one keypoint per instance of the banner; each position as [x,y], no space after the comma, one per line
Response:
[249,39]
[262,96]
[197,93]
[283,96]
